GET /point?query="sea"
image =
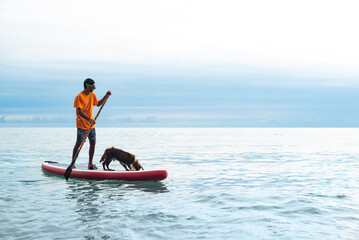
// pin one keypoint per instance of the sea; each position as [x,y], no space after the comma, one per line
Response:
[223,183]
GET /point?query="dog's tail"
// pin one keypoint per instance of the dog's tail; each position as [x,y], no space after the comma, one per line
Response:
[103,156]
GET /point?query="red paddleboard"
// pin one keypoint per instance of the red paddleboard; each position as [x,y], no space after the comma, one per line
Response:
[83,173]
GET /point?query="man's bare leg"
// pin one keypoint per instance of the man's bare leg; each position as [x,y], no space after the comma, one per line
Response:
[91,154]
[76,148]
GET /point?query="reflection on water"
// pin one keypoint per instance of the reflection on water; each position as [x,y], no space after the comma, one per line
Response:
[96,185]
[100,203]
[152,187]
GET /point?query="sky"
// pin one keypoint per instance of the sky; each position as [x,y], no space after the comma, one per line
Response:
[181,63]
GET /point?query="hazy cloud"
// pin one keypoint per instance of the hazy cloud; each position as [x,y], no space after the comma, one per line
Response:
[181,63]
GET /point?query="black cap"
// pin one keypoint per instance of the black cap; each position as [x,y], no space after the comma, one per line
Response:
[88,81]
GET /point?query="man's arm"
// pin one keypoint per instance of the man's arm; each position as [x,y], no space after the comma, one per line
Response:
[83,115]
[103,99]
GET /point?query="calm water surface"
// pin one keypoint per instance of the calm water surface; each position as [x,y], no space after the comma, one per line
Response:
[222,184]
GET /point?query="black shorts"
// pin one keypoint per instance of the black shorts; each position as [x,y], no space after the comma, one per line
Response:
[81,134]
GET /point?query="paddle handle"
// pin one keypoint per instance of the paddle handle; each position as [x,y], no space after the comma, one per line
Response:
[69,169]
[98,113]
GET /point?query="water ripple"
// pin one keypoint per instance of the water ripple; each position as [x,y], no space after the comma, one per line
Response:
[222,184]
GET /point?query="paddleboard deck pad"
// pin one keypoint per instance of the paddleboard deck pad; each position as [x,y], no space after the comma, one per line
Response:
[99,174]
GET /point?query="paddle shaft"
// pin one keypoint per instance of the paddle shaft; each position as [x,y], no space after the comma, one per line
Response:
[69,169]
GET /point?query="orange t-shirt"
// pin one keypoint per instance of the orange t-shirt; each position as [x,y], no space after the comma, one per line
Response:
[86,103]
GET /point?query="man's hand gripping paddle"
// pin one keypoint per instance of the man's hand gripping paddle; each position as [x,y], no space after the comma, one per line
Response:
[69,169]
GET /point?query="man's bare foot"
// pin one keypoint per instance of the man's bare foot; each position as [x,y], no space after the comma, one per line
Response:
[92,167]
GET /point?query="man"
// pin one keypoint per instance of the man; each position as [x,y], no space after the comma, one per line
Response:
[84,102]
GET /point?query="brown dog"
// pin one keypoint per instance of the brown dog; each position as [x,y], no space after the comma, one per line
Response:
[127,160]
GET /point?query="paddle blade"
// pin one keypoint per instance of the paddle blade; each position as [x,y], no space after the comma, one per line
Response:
[71,166]
[68,172]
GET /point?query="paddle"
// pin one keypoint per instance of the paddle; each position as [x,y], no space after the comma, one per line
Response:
[69,169]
